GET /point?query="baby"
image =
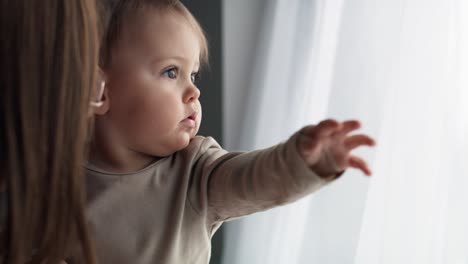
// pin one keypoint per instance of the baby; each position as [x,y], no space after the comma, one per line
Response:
[157,192]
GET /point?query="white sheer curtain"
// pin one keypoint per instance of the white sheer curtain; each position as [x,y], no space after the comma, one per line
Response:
[399,66]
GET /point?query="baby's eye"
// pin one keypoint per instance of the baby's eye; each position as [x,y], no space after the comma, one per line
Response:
[170,73]
[194,77]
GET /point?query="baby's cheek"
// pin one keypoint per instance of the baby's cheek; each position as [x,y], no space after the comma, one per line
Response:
[200,112]
[199,117]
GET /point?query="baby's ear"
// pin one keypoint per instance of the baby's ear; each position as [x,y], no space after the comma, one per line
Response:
[100,105]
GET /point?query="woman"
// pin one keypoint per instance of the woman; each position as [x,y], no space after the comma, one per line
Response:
[48,60]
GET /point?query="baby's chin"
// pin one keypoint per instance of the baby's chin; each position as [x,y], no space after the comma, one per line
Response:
[178,145]
[187,142]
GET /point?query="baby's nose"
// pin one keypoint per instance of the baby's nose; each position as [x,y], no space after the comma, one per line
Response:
[192,93]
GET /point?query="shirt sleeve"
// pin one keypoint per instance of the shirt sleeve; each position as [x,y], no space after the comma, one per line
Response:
[241,183]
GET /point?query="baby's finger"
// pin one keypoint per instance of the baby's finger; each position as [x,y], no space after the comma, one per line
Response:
[349,126]
[358,163]
[324,128]
[307,130]
[355,141]
[327,127]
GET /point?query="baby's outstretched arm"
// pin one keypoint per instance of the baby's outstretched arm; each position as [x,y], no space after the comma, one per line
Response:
[240,183]
[326,147]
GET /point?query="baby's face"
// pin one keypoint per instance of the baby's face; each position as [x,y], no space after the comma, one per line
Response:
[154,102]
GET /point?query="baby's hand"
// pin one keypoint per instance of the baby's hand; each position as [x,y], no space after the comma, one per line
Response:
[326,147]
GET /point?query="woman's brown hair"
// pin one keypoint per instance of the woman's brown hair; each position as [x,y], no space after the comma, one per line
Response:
[48,59]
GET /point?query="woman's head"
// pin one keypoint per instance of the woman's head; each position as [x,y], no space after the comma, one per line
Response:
[48,61]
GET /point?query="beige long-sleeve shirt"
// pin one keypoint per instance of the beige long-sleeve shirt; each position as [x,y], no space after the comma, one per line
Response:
[168,211]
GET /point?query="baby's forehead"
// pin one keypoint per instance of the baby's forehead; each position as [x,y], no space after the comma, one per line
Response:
[150,26]
[157,25]
[159,37]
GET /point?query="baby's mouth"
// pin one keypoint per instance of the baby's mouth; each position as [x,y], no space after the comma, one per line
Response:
[190,120]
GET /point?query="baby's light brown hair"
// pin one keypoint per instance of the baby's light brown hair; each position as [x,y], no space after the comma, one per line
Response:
[114,14]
